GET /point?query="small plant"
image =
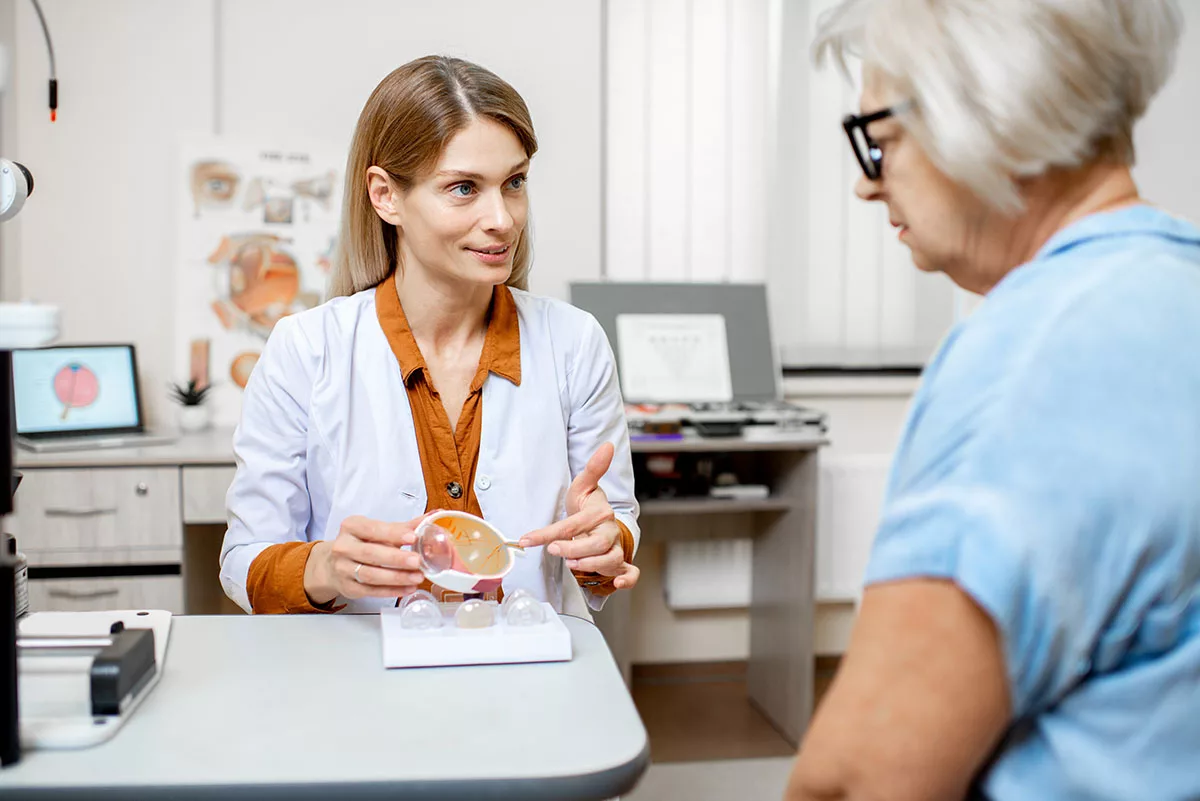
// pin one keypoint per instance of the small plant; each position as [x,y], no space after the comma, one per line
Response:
[189,395]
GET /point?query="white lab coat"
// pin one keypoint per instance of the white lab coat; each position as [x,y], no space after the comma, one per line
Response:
[327,433]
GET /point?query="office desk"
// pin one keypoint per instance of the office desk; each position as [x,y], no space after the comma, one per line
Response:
[104,528]
[296,707]
[129,507]
[783,529]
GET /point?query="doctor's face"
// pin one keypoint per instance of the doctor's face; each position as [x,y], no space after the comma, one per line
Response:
[463,220]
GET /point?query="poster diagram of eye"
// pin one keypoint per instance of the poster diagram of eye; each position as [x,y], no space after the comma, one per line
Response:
[257,231]
[76,387]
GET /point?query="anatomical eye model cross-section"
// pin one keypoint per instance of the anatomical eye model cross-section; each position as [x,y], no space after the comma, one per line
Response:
[76,387]
[464,553]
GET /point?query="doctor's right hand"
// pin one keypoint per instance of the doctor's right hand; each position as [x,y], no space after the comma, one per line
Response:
[366,559]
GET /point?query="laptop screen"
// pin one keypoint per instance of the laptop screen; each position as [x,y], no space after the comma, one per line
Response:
[76,390]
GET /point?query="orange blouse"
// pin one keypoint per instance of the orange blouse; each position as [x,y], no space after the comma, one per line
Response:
[275,583]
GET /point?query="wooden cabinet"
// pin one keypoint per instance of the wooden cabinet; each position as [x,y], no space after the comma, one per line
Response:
[108,592]
[204,490]
[125,515]
[782,527]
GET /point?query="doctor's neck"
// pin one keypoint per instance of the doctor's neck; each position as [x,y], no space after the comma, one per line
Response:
[443,312]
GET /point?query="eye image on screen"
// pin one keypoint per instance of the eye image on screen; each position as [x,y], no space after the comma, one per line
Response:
[76,387]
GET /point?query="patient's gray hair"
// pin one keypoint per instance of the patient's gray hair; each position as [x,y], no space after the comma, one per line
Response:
[1005,89]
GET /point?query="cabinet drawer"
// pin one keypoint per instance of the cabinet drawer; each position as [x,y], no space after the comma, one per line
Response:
[97,594]
[102,515]
[204,490]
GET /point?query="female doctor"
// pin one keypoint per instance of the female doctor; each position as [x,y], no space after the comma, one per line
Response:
[432,380]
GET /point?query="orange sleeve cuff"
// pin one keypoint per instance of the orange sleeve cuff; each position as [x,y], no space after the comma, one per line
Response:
[275,583]
[599,585]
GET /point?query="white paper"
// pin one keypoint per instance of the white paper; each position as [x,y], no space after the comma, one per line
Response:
[674,358]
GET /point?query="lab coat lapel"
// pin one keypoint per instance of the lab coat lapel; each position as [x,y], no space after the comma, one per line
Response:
[395,489]
[501,484]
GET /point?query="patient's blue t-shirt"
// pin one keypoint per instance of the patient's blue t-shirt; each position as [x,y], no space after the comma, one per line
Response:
[1050,466]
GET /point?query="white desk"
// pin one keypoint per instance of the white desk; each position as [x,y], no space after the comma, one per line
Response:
[129,507]
[298,707]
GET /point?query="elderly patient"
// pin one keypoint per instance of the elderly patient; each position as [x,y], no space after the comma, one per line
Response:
[1031,623]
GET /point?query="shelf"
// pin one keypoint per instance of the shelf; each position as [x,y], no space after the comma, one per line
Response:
[696,444]
[708,506]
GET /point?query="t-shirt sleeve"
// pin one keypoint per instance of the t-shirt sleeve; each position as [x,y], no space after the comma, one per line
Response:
[982,539]
[1044,506]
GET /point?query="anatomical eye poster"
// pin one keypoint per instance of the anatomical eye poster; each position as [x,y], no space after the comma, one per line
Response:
[256,232]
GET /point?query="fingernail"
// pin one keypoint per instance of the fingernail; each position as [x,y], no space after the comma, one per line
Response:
[523,542]
[572,563]
[554,549]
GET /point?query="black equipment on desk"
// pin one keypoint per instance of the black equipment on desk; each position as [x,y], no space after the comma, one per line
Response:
[730,419]
[10,735]
[122,663]
[10,729]
[719,428]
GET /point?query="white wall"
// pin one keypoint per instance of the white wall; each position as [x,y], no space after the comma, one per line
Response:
[548,50]
[1168,169]
[97,238]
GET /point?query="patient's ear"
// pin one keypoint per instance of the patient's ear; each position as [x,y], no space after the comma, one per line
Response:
[384,195]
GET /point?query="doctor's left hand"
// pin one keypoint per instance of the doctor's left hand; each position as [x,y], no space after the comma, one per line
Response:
[589,538]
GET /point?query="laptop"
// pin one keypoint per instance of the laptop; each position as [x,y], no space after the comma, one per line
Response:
[79,397]
[749,398]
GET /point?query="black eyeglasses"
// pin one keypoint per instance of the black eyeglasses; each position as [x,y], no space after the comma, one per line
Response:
[867,150]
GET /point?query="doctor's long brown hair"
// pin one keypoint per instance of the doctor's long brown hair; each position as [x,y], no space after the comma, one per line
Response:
[403,129]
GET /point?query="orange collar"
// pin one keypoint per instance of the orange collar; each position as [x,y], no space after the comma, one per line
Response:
[501,345]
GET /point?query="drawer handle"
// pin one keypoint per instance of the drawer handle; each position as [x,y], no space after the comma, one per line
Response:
[83,596]
[142,488]
[93,512]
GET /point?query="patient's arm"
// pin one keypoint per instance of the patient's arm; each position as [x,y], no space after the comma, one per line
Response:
[919,703]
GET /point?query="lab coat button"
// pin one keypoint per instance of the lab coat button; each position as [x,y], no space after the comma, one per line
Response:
[454,490]
[483,482]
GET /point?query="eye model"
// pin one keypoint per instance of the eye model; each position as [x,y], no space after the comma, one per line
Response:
[464,553]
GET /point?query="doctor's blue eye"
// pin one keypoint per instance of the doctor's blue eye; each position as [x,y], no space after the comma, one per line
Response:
[467,190]
[517,182]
